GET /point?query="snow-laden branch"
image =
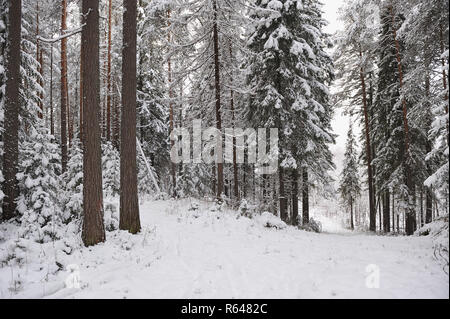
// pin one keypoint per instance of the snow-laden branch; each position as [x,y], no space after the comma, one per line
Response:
[66,34]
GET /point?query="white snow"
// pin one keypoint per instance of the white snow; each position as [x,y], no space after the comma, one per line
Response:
[201,253]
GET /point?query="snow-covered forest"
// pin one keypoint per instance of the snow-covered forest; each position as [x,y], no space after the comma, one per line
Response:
[135,159]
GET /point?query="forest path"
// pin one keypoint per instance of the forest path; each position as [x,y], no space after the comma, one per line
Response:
[214,255]
[203,254]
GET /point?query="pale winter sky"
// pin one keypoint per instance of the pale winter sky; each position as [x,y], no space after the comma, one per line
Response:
[340,122]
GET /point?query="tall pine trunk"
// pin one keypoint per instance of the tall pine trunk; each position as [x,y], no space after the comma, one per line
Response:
[282,196]
[235,166]
[129,204]
[444,75]
[218,106]
[12,106]
[81,94]
[93,228]
[108,76]
[173,167]
[386,212]
[63,112]
[305,196]
[352,225]
[52,121]
[295,197]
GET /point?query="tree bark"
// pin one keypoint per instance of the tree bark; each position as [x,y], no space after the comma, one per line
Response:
[386,212]
[52,121]
[108,80]
[173,168]
[352,225]
[295,197]
[81,94]
[282,196]
[12,106]
[129,204]
[93,228]
[63,87]
[235,166]
[444,75]
[40,69]
[305,196]
[218,106]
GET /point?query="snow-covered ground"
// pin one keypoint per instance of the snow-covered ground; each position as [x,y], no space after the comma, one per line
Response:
[205,254]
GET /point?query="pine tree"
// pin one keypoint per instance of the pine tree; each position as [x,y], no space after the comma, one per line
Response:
[129,204]
[64,87]
[11,109]
[349,184]
[93,228]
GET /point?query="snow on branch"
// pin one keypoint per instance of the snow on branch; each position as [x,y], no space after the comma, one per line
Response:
[66,34]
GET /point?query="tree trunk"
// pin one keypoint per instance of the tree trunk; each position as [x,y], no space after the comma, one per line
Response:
[295,197]
[129,204]
[218,107]
[38,59]
[444,75]
[12,106]
[235,166]
[108,80]
[52,121]
[428,148]
[173,168]
[63,87]
[305,196]
[81,95]
[386,212]
[93,228]
[69,120]
[352,225]
[372,212]
[410,216]
[282,197]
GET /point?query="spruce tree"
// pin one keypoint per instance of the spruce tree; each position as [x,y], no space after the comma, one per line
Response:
[288,74]
[350,183]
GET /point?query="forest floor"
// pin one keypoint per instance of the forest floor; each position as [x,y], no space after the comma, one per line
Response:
[205,254]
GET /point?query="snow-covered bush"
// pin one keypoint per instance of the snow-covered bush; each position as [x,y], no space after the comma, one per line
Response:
[72,184]
[111,217]
[269,220]
[194,206]
[439,232]
[219,204]
[15,252]
[39,184]
[145,182]
[312,226]
[246,209]
[111,170]
[194,180]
